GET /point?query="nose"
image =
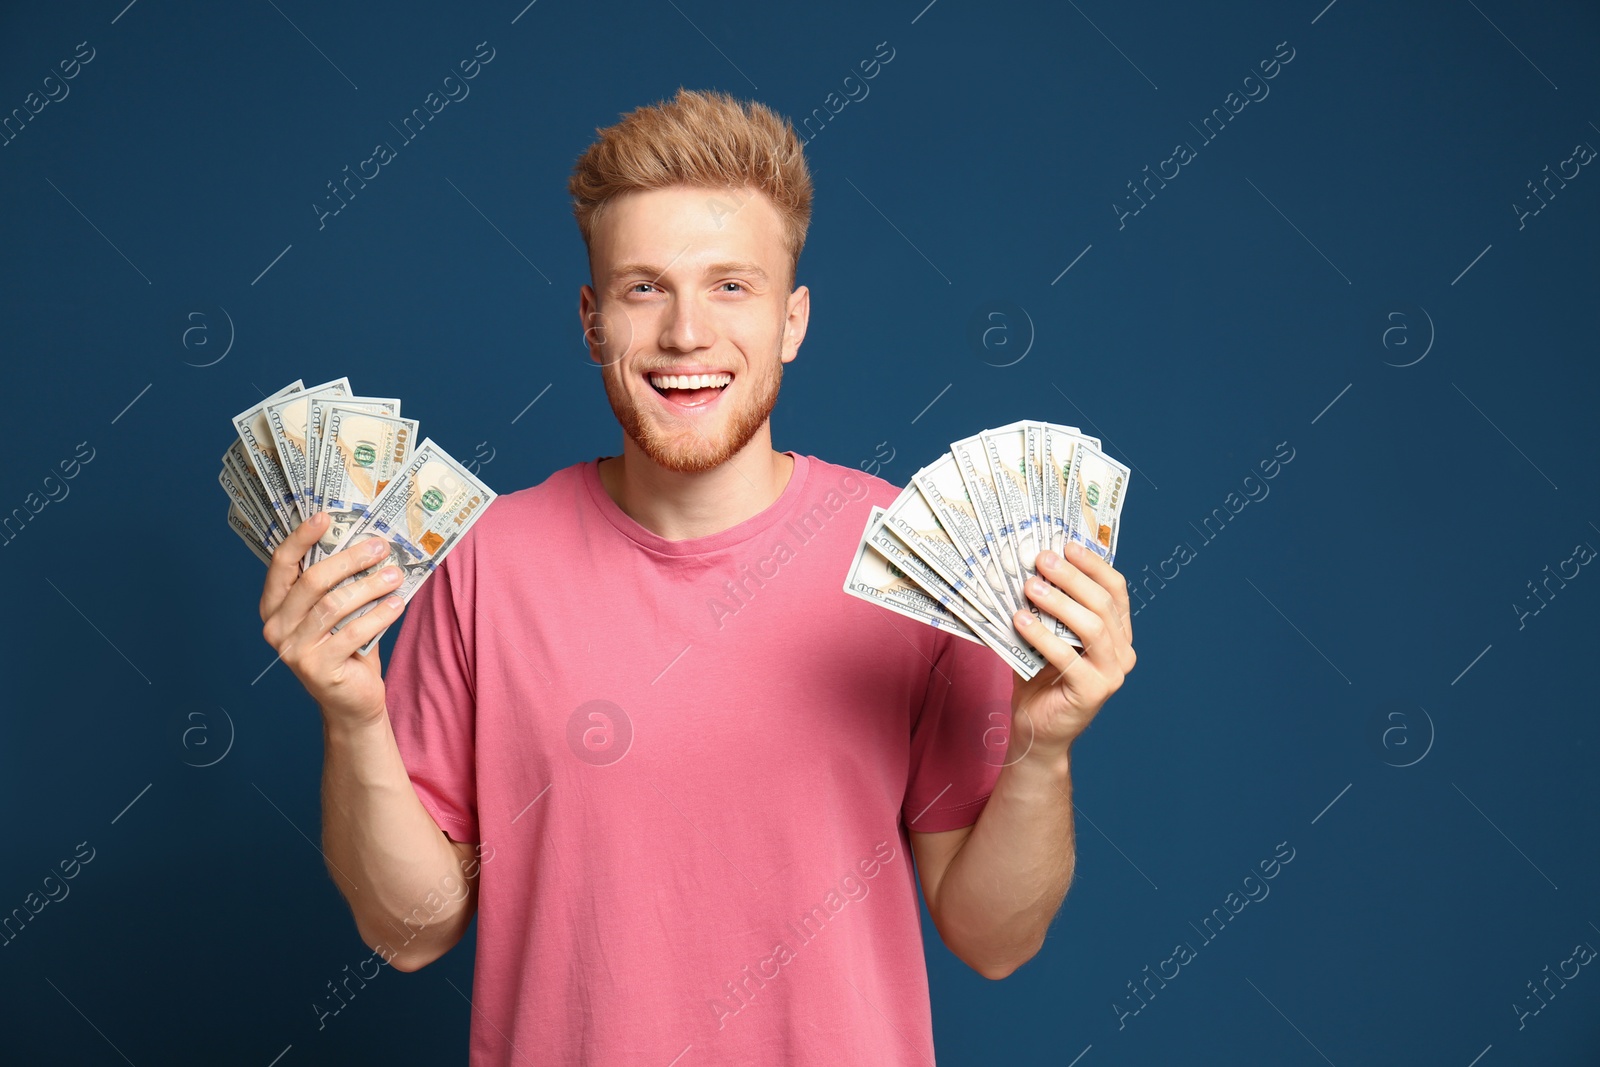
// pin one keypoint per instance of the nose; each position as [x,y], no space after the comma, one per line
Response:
[686,326]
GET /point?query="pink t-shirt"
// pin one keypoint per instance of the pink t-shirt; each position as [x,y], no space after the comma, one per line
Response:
[691,765]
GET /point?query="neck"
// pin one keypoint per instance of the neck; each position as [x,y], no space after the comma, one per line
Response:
[679,506]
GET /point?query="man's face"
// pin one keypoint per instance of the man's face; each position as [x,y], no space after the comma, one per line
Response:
[690,319]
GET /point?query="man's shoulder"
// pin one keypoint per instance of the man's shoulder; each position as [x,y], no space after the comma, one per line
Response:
[514,510]
[558,484]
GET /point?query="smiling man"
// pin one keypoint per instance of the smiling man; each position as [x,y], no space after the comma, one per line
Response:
[688,836]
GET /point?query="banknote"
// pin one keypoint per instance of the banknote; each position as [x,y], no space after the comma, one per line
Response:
[1051,502]
[873,578]
[973,464]
[239,503]
[1005,451]
[912,520]
[254,500]
[1049,487]
[1033,467]
[1048,497]
[1100,483]
[1060,449]
[942,487]
[1005,641]
[247,533]
[368,470]
[1072,459]
[315,406]
[422,514]
[251,426]
[968,529]
[1065,447]
[287,420]
[1014,463]
[360,454]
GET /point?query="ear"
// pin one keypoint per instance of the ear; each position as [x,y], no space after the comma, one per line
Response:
[797,316]
[588,321]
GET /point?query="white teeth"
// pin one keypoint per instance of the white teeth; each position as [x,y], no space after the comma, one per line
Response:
[689,381]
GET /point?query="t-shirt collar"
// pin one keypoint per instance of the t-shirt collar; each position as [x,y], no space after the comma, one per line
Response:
[696,546]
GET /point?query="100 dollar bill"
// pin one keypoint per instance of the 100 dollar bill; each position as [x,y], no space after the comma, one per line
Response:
[262,454]
[423,513]
[316,408]
[1093,487]
[972,462]
[361,454]
[1016,461]
[286,419]
[912,520]
[242,485]
[1102,483]
[246,529]
[874,579]
[1017,653]
[941,485]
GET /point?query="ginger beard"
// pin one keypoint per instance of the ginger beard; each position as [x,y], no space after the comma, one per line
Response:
[692,445]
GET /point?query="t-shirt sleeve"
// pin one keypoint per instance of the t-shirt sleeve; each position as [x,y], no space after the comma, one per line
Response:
[431,698]
[958,742]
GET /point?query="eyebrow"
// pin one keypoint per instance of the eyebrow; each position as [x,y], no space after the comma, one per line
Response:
[654,272]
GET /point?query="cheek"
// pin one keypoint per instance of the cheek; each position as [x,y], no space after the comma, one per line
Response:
[622,333]
[757,331]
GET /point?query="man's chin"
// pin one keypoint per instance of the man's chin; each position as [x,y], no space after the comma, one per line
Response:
[681,463]
[681,446]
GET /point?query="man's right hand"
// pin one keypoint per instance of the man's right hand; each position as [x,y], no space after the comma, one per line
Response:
[298,611]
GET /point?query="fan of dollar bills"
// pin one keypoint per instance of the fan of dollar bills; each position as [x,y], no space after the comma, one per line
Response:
[956,546]
[324,449]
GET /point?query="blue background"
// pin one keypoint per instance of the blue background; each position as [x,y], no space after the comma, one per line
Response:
[1344,668]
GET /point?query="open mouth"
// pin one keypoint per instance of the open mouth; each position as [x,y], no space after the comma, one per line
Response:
[690,390]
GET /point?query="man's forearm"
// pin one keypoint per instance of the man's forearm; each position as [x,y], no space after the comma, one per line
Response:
[1006,882]
[404,880]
